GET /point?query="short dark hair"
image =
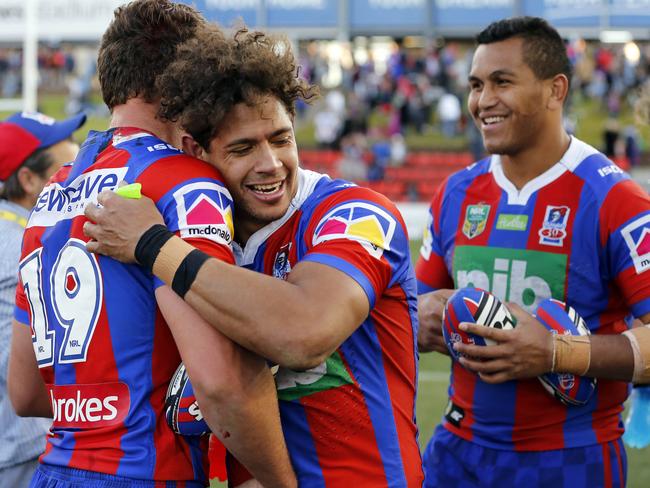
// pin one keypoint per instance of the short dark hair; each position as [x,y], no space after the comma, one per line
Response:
[139,44]
[212,74]
[38,162]
[544,50]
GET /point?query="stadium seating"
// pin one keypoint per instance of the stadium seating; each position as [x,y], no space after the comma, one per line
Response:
[415,180]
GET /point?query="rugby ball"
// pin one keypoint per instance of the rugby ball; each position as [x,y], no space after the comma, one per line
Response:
[560,318]
[474,306]
[181,408]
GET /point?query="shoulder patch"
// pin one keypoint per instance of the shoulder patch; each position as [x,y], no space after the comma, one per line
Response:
[364,222]
[205,211]
[637,238]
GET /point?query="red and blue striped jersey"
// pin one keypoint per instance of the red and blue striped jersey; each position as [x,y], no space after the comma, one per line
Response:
[578,233]
[351,420]
[101,343]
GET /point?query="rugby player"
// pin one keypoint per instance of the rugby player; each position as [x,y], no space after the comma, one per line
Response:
[545,215]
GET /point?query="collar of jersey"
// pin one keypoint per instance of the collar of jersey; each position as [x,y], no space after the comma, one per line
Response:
[307,181]
[570,160]
[125,134]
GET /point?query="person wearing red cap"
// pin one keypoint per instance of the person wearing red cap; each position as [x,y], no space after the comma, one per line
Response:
[33,146]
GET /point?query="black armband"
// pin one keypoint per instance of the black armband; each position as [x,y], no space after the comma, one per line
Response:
[149,245]
[187,271]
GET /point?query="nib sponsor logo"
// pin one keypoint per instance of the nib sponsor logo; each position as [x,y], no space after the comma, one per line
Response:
[89,406]
[514,275]
[204,210]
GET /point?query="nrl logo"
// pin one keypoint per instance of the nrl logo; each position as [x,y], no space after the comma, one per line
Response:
[476,217]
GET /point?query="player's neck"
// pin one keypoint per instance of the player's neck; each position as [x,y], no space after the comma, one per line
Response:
[528,164]
[143,115]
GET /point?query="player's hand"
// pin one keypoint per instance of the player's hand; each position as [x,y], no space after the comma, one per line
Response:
[523,352]
[116,226]
[430,308]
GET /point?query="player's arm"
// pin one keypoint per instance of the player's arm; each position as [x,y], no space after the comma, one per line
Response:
[434,282]
[27,390]
[430,308]
[297,324]
[235,390]
[530,350]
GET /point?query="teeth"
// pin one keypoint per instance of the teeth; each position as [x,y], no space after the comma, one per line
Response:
[266,188]
[493,120]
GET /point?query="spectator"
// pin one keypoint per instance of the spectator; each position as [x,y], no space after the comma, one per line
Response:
[449,112]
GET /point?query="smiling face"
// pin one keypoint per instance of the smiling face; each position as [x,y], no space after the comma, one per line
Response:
[255,151]
[507,101]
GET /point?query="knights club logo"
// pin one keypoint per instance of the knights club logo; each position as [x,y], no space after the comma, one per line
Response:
[476,217]
[553,231]
[281,264]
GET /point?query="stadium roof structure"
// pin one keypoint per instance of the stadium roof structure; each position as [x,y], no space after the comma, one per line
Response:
[85,20]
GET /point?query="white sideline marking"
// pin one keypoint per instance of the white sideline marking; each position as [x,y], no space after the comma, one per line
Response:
[434,376]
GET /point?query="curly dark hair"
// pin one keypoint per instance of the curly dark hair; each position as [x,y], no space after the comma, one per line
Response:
[139,44]
[212,74]
[543,49]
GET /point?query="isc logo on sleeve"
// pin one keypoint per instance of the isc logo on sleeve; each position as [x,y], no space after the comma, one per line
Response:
[637,238]
[205,211]
[363,222]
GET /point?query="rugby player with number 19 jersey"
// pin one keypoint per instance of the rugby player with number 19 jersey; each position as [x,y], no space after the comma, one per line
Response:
[101,343]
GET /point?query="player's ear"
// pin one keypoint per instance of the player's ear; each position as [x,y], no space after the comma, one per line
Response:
[191,147]
[559,92]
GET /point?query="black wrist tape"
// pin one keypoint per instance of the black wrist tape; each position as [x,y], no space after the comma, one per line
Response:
[150,244]
[187,271]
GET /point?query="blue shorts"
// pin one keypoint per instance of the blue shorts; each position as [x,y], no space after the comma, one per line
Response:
[450,461]
[47,476]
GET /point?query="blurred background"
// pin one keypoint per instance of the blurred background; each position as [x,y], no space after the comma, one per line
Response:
[393,77]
